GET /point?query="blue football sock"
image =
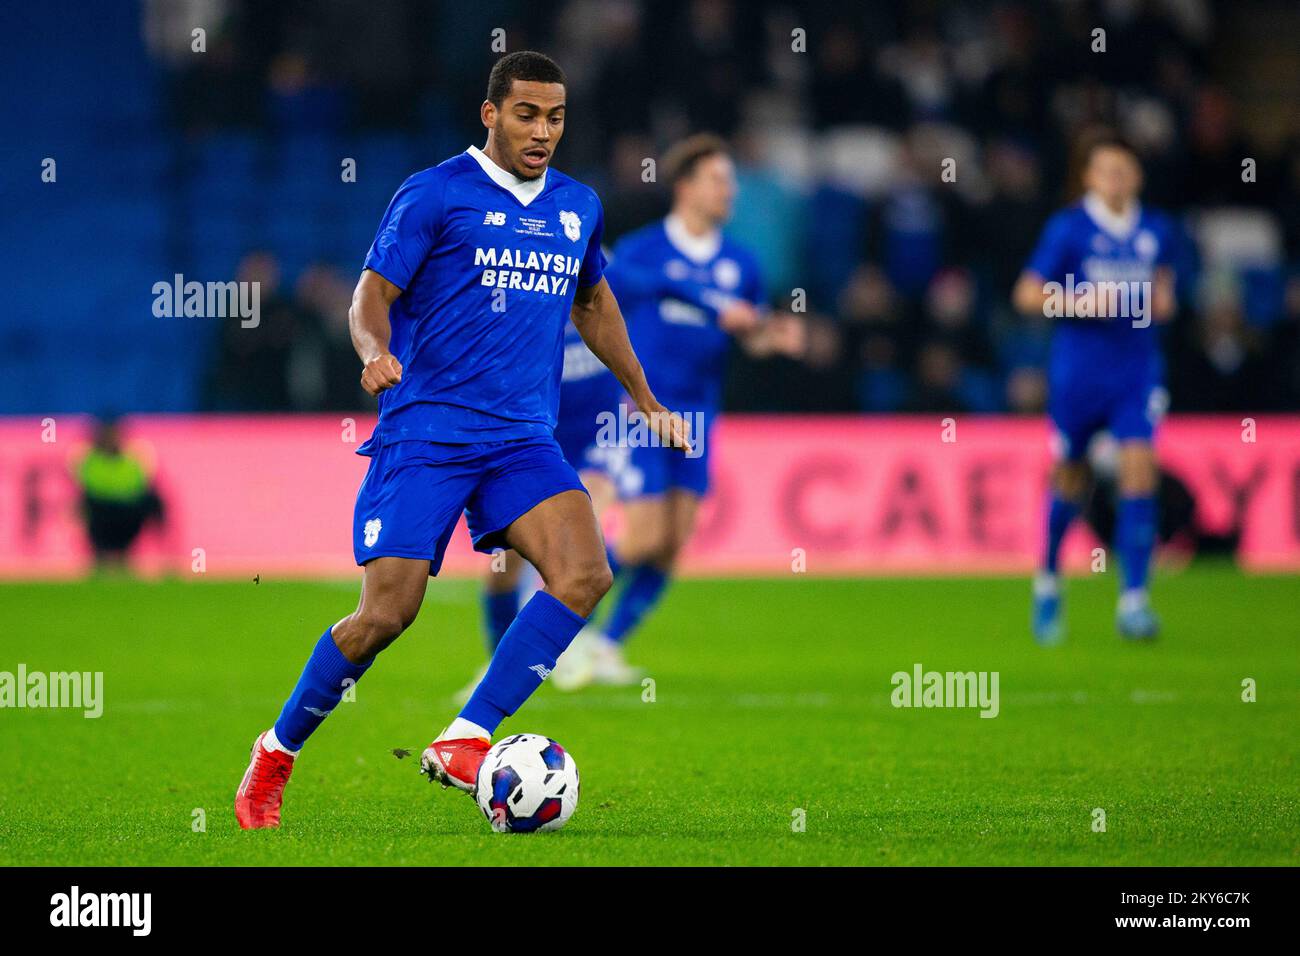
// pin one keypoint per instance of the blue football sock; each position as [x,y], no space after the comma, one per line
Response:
[499,612]
[527,654]
[1135,538]
[1059,516]
[319,690]
[645,585]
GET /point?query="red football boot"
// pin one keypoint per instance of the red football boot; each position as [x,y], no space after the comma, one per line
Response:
[257,801]
[455,763]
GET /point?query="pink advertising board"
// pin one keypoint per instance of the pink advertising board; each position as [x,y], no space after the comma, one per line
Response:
[273,495]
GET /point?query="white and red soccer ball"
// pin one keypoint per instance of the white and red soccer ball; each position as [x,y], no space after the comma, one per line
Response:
[527,783]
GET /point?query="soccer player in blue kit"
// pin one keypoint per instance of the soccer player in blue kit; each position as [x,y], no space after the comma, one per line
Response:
[1105,368]
[458,319]
[687,290]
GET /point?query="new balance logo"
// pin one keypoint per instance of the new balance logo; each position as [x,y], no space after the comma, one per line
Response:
[541,670]
[316,710]
[494,219]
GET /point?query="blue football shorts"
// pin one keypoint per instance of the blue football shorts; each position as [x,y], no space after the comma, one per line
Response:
[414,492]
[1130,412]
[653,470]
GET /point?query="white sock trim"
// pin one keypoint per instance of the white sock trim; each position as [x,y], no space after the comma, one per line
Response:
[460,728]
[1046,585]
[271,742]
[1132,600]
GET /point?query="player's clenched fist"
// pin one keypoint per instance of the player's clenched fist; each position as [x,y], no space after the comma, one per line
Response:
[381,373]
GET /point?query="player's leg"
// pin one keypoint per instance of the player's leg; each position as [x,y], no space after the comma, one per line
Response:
[655,479]
[406,509]
[391,593]
[574,668]
[510,580]
[390,599]
[601,490]
[1135,536]
[597,465]
[604,495]
[674,517]
[685,507]
[1068,489]
[561,538]
[501,602]
[1133,422]
[531,500]
[645,587]
[682,481]
[501,595]
[643,552]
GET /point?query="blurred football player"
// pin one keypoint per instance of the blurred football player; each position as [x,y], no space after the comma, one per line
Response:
[687,291]
[1102,269]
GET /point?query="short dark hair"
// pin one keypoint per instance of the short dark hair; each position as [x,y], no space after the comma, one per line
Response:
[1106,139]
[527,65]
[682,157]
[1100,137]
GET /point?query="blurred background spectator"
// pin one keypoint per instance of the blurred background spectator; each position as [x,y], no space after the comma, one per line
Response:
[232,162]
[117,496]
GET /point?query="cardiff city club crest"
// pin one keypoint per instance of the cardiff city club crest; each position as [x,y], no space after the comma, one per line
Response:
[373,527]
[572,225]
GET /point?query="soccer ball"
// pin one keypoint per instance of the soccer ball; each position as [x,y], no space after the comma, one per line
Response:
[527,783]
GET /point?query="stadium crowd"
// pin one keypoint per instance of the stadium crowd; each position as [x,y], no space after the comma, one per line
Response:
[843,119]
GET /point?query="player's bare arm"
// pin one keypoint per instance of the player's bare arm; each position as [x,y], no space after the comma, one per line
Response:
[1164,303]
[370,329]
[599,321]
[1031,295]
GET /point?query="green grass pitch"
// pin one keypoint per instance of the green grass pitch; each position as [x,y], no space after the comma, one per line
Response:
[771,697]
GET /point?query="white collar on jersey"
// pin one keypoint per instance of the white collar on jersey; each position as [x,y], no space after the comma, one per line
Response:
[525,190]
[699,249]
[1118,224]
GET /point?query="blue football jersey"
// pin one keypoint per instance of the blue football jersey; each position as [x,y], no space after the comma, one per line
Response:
[671,288]
[1084,242]
[587,387]
[488,266]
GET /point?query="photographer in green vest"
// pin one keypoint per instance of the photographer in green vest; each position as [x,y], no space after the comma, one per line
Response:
[118,497]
